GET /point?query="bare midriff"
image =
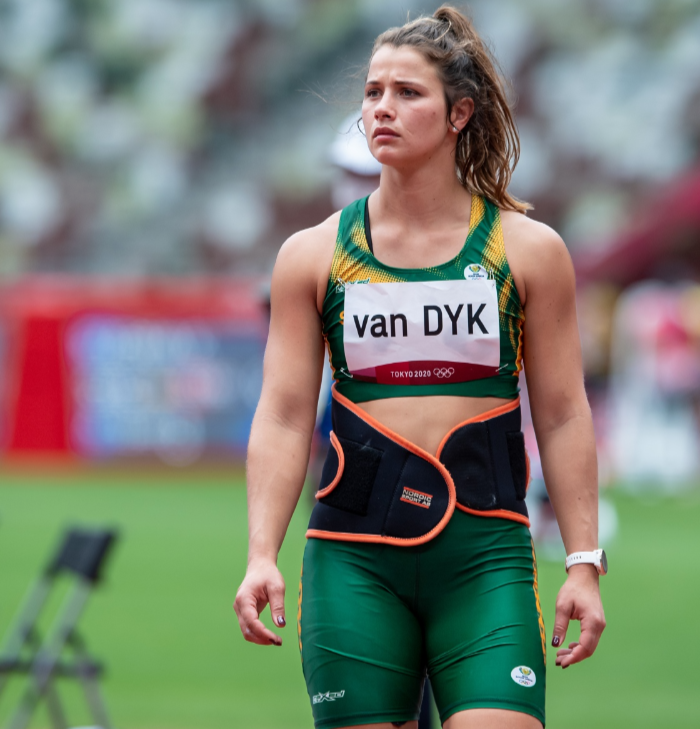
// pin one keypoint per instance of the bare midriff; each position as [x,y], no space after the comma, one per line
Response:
[425,420]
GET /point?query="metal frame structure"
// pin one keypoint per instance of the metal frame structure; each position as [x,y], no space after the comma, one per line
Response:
[63,653]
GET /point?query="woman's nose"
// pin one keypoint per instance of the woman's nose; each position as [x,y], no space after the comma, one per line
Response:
[384,109]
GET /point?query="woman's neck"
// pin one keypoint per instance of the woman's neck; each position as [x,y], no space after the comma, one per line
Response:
[421,196]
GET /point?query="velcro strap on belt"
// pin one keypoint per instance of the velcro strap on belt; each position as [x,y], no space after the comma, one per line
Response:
[378,487]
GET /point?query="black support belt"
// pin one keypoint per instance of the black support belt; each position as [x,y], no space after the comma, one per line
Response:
[378,487]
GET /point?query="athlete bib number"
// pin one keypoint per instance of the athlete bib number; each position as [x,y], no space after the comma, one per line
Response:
[423,333]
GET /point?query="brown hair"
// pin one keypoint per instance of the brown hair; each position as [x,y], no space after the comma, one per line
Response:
[488,147]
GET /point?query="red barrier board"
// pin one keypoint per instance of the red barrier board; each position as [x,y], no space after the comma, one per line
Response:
[104,367]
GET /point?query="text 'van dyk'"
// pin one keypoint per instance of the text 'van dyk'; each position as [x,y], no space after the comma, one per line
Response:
[433,321]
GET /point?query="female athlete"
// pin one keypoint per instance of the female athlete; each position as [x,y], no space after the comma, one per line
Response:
[430,294]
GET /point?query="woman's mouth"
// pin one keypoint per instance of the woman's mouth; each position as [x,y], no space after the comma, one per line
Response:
[384,133]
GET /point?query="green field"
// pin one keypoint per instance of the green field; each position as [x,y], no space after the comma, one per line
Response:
[163,621]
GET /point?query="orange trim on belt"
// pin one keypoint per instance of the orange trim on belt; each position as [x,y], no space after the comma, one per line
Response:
[500,513]
[413,448]
[377,538]
[341,466]
[493,413]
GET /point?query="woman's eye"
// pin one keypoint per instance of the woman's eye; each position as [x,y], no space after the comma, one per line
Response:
[372,93]
[409,92]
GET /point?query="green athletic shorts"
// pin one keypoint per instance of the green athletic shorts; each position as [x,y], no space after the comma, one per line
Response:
[464,606]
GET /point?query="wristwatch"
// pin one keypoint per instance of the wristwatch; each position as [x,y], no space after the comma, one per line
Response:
[597,558]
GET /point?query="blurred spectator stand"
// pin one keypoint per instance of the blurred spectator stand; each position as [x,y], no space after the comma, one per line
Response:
[662,241]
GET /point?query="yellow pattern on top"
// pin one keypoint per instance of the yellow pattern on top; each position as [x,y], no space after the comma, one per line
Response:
[519,351]
[346,268]
[358,235]
[494,258]
[478,212]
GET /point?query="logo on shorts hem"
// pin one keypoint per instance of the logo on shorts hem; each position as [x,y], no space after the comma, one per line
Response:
[524,676]
[418,498]
[328,696]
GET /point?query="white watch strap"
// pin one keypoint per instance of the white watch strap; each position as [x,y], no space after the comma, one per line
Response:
[584,558]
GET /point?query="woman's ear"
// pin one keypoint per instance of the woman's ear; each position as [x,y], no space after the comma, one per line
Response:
[461,113]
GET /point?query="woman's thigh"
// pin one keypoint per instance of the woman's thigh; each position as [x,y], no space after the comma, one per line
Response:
[492,719]
[361,645]
[484,633]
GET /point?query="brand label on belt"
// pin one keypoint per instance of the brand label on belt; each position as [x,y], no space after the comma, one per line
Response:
[418,333]
[411,496]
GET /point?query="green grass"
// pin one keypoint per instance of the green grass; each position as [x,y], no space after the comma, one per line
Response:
[163,620]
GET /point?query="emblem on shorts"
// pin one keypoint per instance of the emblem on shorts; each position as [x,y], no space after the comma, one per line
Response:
[411,496]
[475,272]
[524,676]
[328,696]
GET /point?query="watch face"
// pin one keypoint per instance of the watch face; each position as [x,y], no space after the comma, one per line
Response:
[604,562]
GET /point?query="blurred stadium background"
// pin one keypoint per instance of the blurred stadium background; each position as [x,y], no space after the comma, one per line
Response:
[154,155]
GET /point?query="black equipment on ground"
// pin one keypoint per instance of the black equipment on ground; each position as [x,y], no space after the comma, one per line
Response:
[80,555]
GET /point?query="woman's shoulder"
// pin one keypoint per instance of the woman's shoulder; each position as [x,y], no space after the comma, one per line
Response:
[536,253]
[529,234]
[312,241]
[310,245]
[305,258]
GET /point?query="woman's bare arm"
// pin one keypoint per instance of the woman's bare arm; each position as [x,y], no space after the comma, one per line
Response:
[280,438]
[562,420]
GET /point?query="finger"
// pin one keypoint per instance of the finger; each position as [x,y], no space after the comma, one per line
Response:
[561,622]
[251,626]
[255,632]
[561,653]
[565,652]
[578,654]
[275,596]
[591,630]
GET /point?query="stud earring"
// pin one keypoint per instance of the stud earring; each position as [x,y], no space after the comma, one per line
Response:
[455,128]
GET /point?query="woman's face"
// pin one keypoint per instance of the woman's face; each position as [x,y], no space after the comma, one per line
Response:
[404,109]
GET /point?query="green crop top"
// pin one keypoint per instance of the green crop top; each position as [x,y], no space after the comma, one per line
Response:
[452,329]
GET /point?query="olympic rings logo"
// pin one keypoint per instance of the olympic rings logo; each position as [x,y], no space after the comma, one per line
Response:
[444,372]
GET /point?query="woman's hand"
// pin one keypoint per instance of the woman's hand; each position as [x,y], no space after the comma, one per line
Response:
[263,584]
[579,599]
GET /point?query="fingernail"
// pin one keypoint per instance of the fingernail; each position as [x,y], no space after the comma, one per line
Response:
[566,666]
[280,621]
[556,640]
